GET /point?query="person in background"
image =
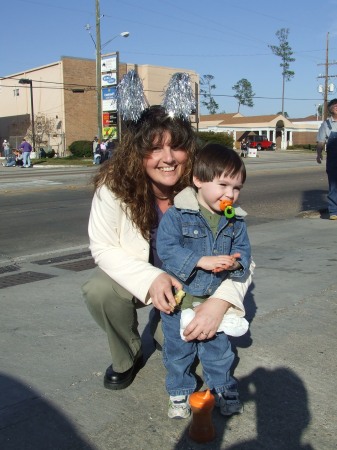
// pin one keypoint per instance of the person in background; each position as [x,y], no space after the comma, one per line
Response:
[95,143]
[18,158]
[14,160]
[327,135]
[244,148]
[104,151]
[97,154]
[6,148]
[111,147]
[26,149]
[201,247]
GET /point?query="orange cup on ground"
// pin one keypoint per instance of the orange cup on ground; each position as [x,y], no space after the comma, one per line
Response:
[202,428]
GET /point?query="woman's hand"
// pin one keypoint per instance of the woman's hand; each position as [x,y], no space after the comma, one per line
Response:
[161,292]
[208,317]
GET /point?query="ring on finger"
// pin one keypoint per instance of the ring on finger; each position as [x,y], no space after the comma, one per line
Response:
[205,334]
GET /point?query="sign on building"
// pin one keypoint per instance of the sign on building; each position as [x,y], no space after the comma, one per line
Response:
[109,78]
[109,63]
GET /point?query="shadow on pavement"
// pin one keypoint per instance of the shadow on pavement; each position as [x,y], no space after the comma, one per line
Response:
[282,414]
[282,410]
[27,421]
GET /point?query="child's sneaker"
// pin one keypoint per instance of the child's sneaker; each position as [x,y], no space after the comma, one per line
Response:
[229,403]
[179,408]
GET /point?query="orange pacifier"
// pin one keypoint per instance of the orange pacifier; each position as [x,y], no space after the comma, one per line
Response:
[227,207]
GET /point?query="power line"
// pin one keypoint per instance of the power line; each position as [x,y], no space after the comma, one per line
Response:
[92,88]
[60,86]
[255,96]
[218,55]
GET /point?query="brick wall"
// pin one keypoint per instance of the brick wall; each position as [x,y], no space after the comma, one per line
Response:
[80,108]
[304,138]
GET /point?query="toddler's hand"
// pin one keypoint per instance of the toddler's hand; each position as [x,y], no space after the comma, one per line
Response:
[219,263]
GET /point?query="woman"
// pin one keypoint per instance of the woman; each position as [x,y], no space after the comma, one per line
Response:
[133,190]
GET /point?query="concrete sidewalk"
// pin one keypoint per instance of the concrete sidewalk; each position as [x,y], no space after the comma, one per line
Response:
[54,356]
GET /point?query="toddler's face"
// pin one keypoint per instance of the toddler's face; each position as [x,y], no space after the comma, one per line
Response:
[210,193]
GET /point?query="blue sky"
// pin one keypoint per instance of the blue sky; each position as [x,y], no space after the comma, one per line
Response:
[227,39]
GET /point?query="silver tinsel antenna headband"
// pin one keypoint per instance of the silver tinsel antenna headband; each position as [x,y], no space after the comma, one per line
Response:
[131,101]
[178,99]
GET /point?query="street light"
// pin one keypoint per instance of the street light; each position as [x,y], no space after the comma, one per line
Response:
[30,82]
[123,34]
[99,48]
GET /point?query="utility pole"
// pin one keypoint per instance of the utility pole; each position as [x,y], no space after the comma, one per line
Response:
[196,94]
[98,47]
[326,79]
[98,71]
[30,82]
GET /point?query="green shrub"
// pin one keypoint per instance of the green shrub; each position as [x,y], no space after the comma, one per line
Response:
[302,146]
[81,148]
[50,154]
[220,138]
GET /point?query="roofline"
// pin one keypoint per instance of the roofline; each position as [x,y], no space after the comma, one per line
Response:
[78,58]
[25,72]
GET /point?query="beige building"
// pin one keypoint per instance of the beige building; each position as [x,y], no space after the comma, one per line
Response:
[65,101]
[156,78]
[284,132]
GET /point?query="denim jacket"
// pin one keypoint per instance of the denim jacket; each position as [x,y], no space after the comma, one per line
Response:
[184,236]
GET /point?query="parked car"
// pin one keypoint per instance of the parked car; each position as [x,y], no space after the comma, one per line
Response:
[261,143]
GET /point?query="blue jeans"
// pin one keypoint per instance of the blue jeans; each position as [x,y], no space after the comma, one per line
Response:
[26,159]
[332,195]
[215,355]
[331,170]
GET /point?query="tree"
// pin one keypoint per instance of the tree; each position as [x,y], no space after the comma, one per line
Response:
[285,52]
[319,111]
[43,128]
[284,113]
[244,93]
[220,138]
[209,102]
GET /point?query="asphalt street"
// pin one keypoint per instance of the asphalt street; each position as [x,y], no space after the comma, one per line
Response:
[54,356]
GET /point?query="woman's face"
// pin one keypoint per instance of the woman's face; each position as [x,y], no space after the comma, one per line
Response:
[165,165]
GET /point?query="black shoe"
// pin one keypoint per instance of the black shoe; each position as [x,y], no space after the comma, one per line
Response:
[121,380]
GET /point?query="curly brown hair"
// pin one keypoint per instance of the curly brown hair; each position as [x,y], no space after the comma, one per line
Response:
[124,174]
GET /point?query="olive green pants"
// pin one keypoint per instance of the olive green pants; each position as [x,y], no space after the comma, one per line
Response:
[115,311]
